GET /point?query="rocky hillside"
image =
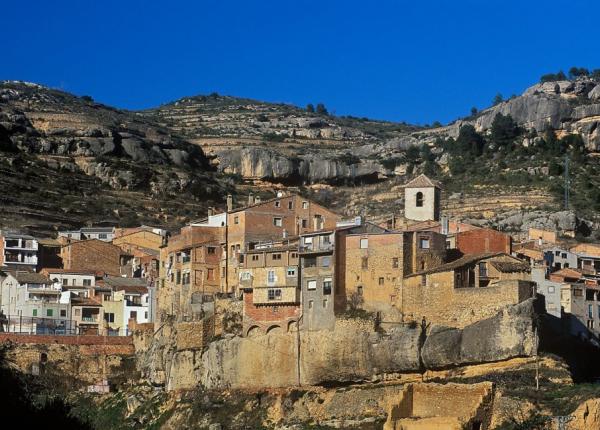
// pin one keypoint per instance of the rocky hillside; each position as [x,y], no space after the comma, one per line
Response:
[67,160]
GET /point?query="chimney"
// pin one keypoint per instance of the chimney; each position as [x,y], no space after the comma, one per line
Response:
[211,211]
[257,200]
[250,199]
[229,202]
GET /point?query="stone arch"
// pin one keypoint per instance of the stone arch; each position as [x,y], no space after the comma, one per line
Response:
[292,326]
[43,357]
[274,329]
[253,331]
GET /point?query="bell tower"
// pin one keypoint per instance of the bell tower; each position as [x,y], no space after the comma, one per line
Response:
[422,199]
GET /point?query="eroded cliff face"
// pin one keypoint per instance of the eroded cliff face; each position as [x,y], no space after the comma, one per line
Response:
[352,352]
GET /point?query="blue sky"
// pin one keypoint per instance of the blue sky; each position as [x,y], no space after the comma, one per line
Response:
[418,61]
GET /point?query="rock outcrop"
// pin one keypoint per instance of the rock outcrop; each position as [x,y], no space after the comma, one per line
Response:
[353,353]
[510,333]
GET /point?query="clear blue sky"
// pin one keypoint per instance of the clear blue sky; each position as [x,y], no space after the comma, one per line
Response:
[415,61]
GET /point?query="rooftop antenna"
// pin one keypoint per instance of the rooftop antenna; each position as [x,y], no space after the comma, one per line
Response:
[567,182]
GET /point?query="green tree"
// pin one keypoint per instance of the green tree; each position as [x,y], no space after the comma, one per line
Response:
[88,99]
[474,111]
[310,108]
[497,99]
[468,142]
[575,72]
[321,109]
[504,129]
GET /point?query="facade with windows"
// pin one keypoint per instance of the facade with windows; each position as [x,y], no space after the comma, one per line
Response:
[317,280]
[106,234]
[18,251]
[377,261]
[269,281]
[31,298]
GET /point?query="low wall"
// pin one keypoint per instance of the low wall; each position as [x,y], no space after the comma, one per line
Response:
[78,360]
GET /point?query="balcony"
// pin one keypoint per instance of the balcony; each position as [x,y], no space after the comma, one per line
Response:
[20,244]
[316,247]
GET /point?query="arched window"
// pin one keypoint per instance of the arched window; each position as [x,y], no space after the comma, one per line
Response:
[419,199]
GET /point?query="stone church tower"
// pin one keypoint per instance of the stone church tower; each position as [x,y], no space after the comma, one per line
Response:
[422,199]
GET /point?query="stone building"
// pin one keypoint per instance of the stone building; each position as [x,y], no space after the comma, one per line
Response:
[422,199]
[190,270]
[128,301]
[557,258]
[98,256]
[469,289]
[269,277]
[105,234]
[580,303]
[377,262]
[264,221]
[551,290]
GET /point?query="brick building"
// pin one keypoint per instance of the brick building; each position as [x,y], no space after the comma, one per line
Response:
[269,277]
[98,256]
[482,240]
[471,288]
[264,221]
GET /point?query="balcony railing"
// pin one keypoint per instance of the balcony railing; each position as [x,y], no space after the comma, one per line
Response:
[316,247]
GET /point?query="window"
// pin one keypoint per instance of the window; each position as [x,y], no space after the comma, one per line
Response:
[133,314]
[557,253]
[590,324]
[359,290]
[364,243]
[210,274]
[34,313]
[308,240]
[178,277]
[325,261]
[255,257]
[311,285]
[73,282]
[483,272]
[419,199]
[394,263]
[577,292]
[590,311]
[49,312]
[65,282]
[146,314]
[210,250]
[109,317]
[186,278]
[304,205]
[87,282]
[276,256]
[365,263]
[236,219]
[310,262]
[448,244]
[381,280]
[326,239]
[63,312]
[245,276]
[327,286]
[291,272]
[277,204]
[102,236]
[424,243]
[310,304]
[294,255]
[271,276]
[290,205]
[304,223]
[277,221]
[564,255]
[274,293]
[325,303]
